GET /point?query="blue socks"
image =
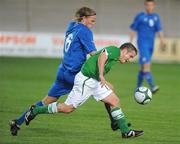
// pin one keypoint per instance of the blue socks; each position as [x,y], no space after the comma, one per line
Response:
[140,78]
[149,79]
[20,120]
[147,76]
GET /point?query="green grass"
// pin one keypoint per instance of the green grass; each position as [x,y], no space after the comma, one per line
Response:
[24,81]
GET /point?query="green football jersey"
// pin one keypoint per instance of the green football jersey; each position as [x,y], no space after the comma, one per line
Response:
[90,67]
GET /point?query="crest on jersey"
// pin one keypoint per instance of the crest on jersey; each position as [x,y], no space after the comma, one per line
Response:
[155,18]
[145,19]
[151,23]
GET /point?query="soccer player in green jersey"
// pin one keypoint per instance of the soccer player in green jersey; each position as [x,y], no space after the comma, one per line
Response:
[90,81]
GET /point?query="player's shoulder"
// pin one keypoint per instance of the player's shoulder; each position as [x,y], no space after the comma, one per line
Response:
[71,25]
[78,27]
[112,49]
[156,16]
[140,14]
[84,29]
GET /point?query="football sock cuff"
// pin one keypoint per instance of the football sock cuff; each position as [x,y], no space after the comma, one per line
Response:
[52,108]
[118,115]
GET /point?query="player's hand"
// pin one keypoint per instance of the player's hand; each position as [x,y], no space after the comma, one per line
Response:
[162,45]
[110,85]
[104,82]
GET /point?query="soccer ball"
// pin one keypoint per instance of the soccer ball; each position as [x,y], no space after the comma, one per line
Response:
[143,95]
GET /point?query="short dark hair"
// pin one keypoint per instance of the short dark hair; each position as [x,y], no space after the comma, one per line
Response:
[149,0]
[129,46]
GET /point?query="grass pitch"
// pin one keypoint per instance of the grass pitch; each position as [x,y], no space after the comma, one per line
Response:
[24,81]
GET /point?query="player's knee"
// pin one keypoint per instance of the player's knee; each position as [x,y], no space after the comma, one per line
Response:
[49,99]
[112,100]
[115,102]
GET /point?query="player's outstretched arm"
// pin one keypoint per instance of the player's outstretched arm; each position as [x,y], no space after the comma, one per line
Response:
[162,41]
[132,36]
[101,62]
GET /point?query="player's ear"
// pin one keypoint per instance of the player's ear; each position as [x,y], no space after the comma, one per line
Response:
[125,50]
[83,19]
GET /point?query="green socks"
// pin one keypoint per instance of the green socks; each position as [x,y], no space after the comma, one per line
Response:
[118,115]
[40,110]
[51,108]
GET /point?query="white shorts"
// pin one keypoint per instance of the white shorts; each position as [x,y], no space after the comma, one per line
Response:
[85,87]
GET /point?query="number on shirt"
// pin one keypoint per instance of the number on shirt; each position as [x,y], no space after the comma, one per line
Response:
[68,42]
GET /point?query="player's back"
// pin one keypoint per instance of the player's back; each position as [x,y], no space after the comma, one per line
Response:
[78,43]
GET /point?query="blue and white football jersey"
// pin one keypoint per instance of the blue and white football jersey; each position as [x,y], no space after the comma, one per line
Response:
[78,43]
[146,26]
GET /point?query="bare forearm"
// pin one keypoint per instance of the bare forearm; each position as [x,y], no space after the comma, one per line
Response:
[101,63]
[161,36]
[132,36]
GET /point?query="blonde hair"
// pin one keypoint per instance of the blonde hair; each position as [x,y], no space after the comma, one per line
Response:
[83,12]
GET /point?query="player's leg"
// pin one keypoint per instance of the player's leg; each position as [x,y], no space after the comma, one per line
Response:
[54,91]
[114,124]
[15,124]
[147,74]
[146,68]
[59,88]
[145,55]
[119,116]
[113,100]
[142,59]
[140,78]
[47,100]
[106,95]
[79,94]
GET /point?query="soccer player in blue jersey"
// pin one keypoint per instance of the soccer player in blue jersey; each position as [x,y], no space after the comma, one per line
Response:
[78,44]
[146,25]
[91,81]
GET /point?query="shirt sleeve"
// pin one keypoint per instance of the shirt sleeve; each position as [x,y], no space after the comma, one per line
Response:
[86,38]
[158,25]
[113,52]
[135,24]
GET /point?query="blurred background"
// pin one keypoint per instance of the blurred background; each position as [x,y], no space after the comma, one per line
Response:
[31,47]
[37,27]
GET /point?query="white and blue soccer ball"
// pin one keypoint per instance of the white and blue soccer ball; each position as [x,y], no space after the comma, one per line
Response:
[143,95]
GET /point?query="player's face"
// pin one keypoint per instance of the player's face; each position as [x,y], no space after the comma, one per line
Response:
[89,21]
[149,6]
[126,56]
